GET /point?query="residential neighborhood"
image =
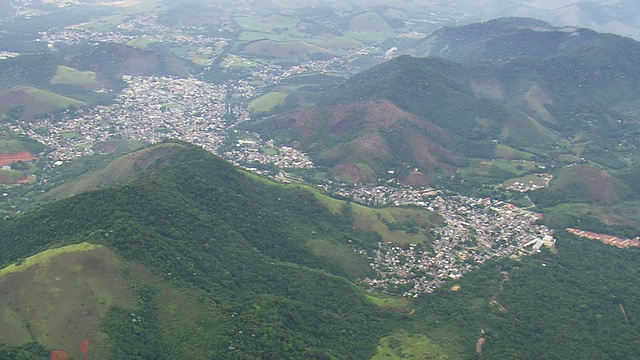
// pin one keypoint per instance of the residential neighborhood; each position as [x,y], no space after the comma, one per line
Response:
[475,231]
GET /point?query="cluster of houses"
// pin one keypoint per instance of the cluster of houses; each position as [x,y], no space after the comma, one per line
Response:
[475,231]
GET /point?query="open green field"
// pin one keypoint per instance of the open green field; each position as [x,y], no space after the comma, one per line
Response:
[340,255]
[141,42]
[70,76]
[369,22]
[273,23]
[269,151]
[109,23]
[59,296]
[35,100]
[533,179]
[267,102]
[282,50]
[72,136]
[395,224]
[516,167]
[49,97]
[402,345]
[509,153]
[14,146]
[388,300]
[235,60]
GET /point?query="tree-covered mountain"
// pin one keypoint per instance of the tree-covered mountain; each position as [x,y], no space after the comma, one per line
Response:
[194,258]
[508,89]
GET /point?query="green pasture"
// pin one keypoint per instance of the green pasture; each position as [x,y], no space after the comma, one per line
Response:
[516,167]
[534,179]
[269,151]
[402,345]
[141,42]
[70,76]
[72,136]
[389,222]
[267,24]
[44,96]
[369,22]
[341,255]
[282,50]
[108,23]
[12,146]
[509,153]
[235,60]
[45,256]
[267,102]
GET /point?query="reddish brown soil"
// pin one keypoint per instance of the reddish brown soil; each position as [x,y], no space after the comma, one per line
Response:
[84,348]
[59,355]
[6,159]
[349,171]
[600,185]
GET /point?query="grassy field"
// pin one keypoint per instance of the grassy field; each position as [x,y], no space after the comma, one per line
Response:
[534,179]
[267,102]
[344,257]
[35,100]
[235,60]
[269,151]
[509,153]
[388,300]
[12,146]
[282,50]
[70,136]
[141,42]
[402,345]
[369,22]
[51,98]
[70,76]
[58,297]
[273,23]
[383,220]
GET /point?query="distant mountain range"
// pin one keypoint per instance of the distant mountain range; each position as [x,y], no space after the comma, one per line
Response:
[505,89]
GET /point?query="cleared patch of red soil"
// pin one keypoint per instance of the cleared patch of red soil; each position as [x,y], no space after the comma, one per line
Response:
[84,348]
[348,170]
[59,355]
[6,159]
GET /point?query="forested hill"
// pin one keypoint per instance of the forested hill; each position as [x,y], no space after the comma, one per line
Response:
[242,243]
[556,95]
[197,259]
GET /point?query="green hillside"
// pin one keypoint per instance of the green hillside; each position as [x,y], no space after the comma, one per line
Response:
[196,259]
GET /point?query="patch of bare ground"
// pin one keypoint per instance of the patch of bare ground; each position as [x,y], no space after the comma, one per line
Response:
[427,153]
[348,170]
[6,159]
[600,185]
